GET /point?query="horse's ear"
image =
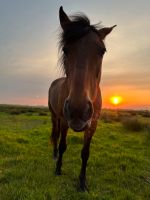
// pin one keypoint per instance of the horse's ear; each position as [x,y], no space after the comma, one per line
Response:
[64,19]
[105,31]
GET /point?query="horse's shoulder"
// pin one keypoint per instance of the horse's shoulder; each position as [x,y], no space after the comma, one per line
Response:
[62,79]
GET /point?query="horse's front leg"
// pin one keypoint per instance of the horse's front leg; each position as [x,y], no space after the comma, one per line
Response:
[62,146]
[85,155]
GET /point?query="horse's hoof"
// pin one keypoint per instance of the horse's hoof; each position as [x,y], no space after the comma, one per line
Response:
[55,154]
[55,157]
[58,172]
[82,188]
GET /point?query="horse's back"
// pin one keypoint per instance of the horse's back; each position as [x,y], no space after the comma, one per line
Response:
[56,96]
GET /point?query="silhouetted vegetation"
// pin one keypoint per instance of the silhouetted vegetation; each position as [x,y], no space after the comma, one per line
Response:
[132,124]
[18,110]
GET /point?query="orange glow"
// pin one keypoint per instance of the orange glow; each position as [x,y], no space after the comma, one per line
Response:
[131,98]
[116,100]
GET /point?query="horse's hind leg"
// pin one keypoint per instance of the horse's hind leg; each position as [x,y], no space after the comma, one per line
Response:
[62,146]
[55,134]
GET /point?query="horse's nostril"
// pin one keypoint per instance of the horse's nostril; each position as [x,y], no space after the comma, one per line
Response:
[88,106]
[66,108]
[66,103]
[88,111]
[83,113]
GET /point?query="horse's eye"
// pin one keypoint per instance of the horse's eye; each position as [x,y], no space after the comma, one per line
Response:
[65,51]
[101,51]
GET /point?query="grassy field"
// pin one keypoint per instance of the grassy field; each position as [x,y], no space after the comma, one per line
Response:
[118,167]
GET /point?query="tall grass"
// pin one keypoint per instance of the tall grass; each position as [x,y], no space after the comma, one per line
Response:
[132,124]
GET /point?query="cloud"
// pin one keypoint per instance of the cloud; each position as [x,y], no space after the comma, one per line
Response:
[132,79]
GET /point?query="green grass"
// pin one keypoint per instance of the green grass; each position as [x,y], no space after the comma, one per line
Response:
[118,167]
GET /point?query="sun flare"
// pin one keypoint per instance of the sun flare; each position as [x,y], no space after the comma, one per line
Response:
[116,100]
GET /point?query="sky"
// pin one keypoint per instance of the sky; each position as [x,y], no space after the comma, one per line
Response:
[29,49]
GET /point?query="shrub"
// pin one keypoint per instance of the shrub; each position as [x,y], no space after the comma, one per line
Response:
[104,116]
[15,112]
[132,124]
[43,113]
[107,117]
[145,113]
[146,126]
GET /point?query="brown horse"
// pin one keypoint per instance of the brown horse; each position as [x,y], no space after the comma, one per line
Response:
[75,100]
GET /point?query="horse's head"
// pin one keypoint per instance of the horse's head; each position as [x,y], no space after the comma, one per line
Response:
[83,50]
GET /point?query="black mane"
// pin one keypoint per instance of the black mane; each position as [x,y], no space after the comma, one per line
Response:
[77,28]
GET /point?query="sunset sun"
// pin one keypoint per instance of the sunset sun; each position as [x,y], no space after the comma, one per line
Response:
[116,100]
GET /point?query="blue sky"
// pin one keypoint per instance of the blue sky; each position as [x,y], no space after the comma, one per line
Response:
[28,47]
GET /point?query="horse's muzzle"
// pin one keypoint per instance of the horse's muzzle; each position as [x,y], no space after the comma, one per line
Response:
[78,118]
[79,126]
